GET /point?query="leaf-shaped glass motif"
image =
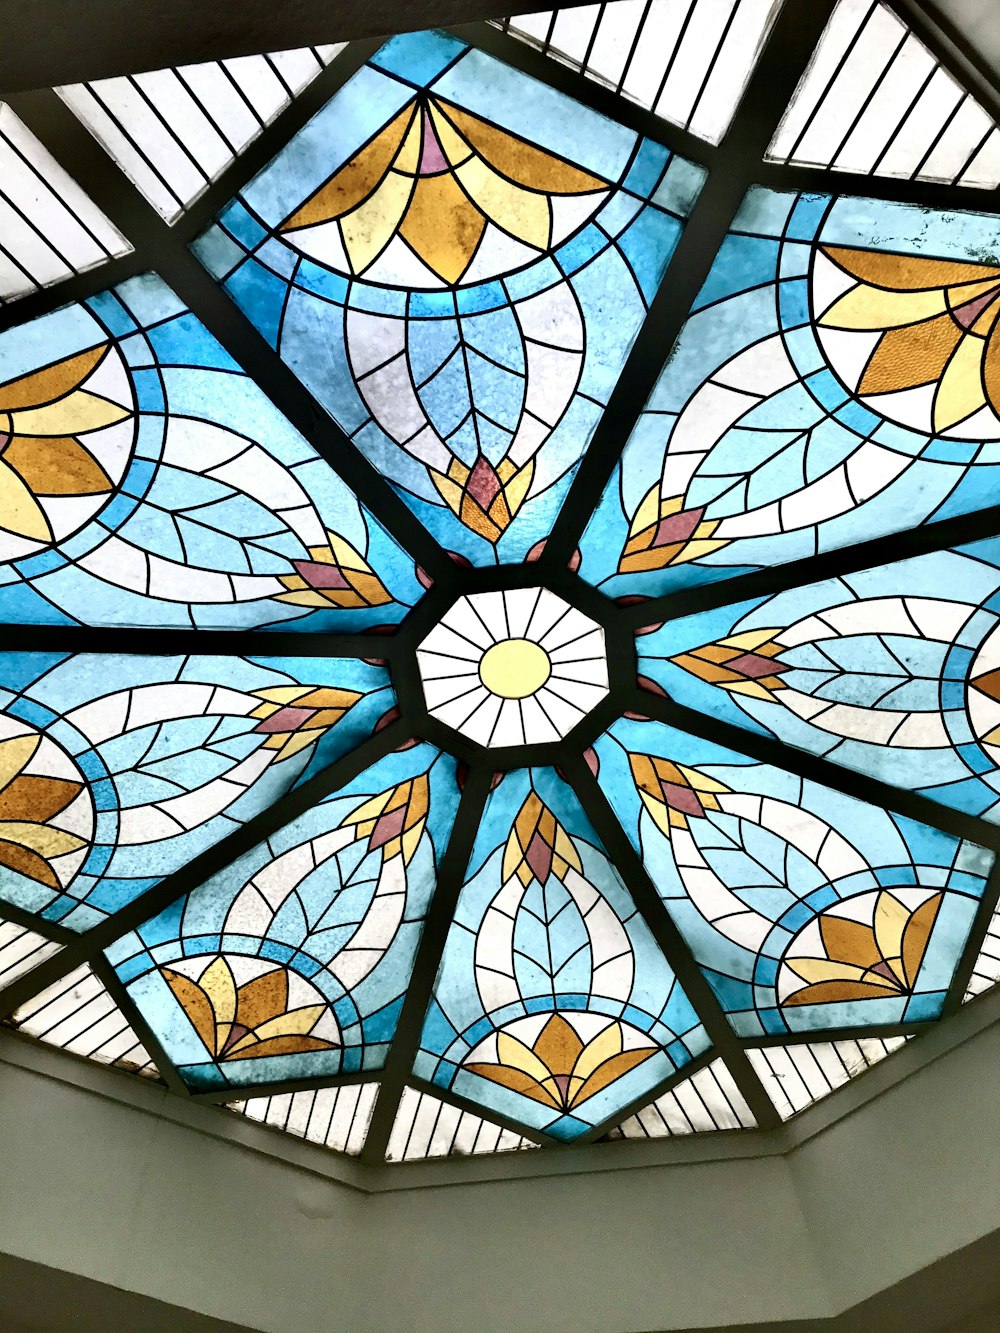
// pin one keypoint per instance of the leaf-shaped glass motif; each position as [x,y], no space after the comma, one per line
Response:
[104,791]
[144,480]
[551,987]
[903,687]
[832,384]
[781,886]
[457,277]
[293,961]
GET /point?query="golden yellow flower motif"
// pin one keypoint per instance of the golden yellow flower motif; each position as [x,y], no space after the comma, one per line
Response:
[663,533]
[483,497]
[294,716]
[863,960]
[672,793]
[743,664]
[394,819]
[42,416]
[334,575]
[560,1069]
[938,320]
[28,844]
[538,846]
[249,1021]
[435,175]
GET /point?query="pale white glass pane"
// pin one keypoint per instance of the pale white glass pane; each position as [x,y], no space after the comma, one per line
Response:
[188,121]
[264,90]
[223,102]
[21,950]
[961,141]
[702,38]
[918,131]
[660,34]
[984,169]
[734,63]
[427,1127]
[707,1101]
[573,31]
[885,113]
[535,26]
[615,35]
[77,1014]
[796,1076]
[336,1118]
[296,68]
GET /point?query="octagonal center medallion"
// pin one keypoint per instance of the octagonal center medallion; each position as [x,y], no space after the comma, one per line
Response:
[513,668]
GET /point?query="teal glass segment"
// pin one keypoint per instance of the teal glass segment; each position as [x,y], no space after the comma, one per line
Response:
[455,259]
[294,961]
[116,771]
[893,672]
[833,383]
[148,482]
[553,1005]
[809,911]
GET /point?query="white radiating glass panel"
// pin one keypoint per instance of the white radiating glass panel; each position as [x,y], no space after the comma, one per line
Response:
[49,229]
[174,131]
[986,971]
[708,1100]
[795,1076]
[427,1127]
[21,950]
[874,100]
[689,60]
[77,1014]
[337,1118]
[509,668]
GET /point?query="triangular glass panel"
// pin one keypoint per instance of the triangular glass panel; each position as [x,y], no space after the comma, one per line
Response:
[875,101]
[456,259]
[120,770]
[687,60]
[292,963]
[174,131]
[986,969]
[553,1005]
[426,1127]
[336,1118]
[806,908]
[147,481]
[708,1100]
[797,1076]
[21,950]
[78,1014]
[50,228]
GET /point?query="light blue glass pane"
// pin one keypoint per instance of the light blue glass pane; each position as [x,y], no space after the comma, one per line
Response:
[119,770]
[553,1004]
[293,961]
[807,910]
[456,260]
[149,482]
[831,385]
[894,671]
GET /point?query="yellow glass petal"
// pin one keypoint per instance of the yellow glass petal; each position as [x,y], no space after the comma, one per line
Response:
[75,414]
[521,213]
[600,1048]
[907,272]
[516,1055]
[298,1021]
[51,382]
[442,226]
[219,984]
[357,179]
[891,920]
[41,838]
[824,969]
[20,512]
[960,390]
[14,756]
[371,226]
[873,308]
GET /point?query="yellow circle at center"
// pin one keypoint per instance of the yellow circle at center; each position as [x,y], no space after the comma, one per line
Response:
[514,668]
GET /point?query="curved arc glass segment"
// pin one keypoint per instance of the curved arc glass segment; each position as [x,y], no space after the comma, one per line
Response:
[455,259]
[294,961]
[837,380]
[146,481]
[807,910]
[116,772]
[553,1004]
[894,671]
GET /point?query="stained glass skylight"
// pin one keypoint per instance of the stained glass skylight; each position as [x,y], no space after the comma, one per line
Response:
[502,596]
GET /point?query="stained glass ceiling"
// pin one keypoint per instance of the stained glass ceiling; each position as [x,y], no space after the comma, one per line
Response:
[501,582]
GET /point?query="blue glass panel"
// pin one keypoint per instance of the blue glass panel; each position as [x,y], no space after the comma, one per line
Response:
[833,383]
[117,771]
[807,910]
[148,482]
[894,671]
[293,961]
[456,259]
[553,1004]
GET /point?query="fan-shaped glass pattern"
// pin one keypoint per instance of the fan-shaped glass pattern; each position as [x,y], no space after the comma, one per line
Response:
[502,645]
